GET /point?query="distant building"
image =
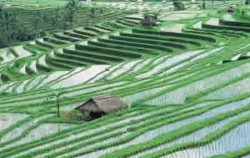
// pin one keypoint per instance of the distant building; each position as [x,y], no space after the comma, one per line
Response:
[98,106]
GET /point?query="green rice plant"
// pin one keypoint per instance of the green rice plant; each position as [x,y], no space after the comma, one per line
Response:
[174,135]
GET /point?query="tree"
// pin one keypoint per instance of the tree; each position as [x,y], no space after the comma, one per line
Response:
[70,10]
[178,5]
[246,2]
[204,4]
[39,21]
[56,19]
[10,26]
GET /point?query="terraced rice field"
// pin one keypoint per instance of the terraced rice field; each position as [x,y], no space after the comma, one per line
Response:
[186,82]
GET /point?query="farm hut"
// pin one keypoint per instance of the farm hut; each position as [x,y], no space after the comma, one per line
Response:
[101,105]
[230,9]
[149,20]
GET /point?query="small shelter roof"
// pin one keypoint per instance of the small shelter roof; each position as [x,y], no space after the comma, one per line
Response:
[106,104]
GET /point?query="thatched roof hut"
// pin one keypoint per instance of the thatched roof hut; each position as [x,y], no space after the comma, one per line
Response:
[98,106]
[149,20]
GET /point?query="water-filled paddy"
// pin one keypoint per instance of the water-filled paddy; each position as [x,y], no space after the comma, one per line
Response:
[234,140]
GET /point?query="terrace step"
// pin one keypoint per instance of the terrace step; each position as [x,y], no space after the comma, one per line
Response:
[157,37]
[97,30]
[104,50]
[29,70]
[42,68]
[124,47]
[4,78]
[93,55]
[174,34]
[34,48]
[234,23]
[45,44]
[126,22]
[54,65]
[161,44]
[116,40]
[60,64]
[85,33]
[222,27]
[80,59]
[101,28]
[222,37]
[75,34]
[55,40]
[66,38]
[135,21]
[20,52]
[108,26]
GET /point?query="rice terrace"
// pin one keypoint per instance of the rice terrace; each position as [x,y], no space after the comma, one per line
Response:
[124,79]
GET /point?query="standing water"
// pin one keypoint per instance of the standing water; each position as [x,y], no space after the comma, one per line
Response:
[234,140]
